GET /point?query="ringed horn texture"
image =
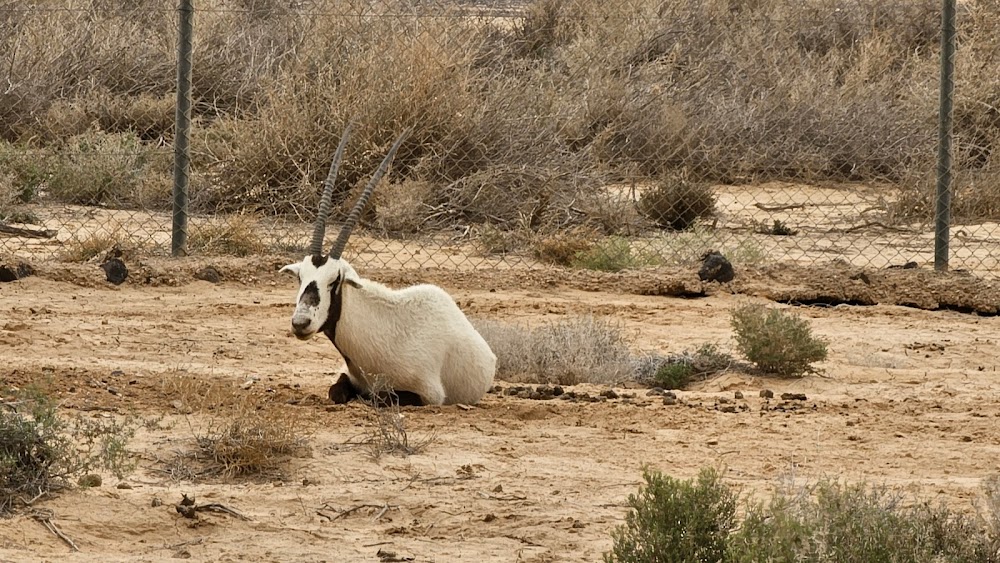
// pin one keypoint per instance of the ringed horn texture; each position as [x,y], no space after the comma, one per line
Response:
[316,248]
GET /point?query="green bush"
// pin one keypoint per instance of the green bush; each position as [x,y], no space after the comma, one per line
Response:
[776,342]
[676,521]
[678,370]
[98,168]
[41,451]
[613,254]
[857,524]
[695,521]
[676,202]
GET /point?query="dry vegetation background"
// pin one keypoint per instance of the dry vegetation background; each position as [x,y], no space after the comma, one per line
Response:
[531,118]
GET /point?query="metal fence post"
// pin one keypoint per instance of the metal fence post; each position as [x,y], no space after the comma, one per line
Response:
[942,214]
[182,135]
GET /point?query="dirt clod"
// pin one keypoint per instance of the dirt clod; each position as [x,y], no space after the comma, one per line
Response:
[793,397]
[9,273]
[115,270]
[209,274]
[715,267]
[766,394]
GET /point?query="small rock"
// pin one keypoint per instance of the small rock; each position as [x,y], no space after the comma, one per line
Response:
[557,391]
[609,394]
[793,396]
[715,267]
[20,270]
[654,391]
[728,408]
[712,442]
[724,400]
[489,518]
[766,394]
[123,485]
[115,270]
[90,480]
[156,502]
[738,395]
[668,400]
[209,274]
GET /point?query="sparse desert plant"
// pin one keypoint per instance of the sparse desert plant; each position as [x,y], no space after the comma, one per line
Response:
[562,248]
[674,520]
[250,439]
[235,235]
[584,349]
[856,523]
[681,521]
[41,450]
[493,241]
[776,342]
[676,202]
[400,209]
[387,431]
[98,168]
[677,371]
[89,246]
[613,254]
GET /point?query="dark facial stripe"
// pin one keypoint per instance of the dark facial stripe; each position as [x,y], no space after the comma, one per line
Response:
[329,328]
[319,259]
[310,296]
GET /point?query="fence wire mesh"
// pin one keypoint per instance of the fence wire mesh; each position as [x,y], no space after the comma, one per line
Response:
[607,135]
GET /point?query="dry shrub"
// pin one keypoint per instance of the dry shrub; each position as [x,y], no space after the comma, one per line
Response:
[247,433]
[578,350]
[975,198]
[563,248]
[387,432]
[230,235]
[250,440]
[516,121]
[614,254]
[676,202]
[401,209]
[98,169]
[493,241]
[96,243]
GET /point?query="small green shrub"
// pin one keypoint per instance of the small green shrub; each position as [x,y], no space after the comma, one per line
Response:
[676,202]
[683,521]
[677,371]
[613,254]
[41,451]
[857,523]
[676,521]
[98,168]
[776,342]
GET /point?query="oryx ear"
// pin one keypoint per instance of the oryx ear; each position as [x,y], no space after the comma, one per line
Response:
[293,268]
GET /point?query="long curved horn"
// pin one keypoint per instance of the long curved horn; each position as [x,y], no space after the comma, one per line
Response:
[319,229]
[355,214]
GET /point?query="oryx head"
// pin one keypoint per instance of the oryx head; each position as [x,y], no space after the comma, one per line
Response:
[321,276]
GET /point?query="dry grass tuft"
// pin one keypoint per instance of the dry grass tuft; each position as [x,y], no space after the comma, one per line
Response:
[231,235]
[247,433]
[96,244]
[563,248]
[387,432]
[577,350]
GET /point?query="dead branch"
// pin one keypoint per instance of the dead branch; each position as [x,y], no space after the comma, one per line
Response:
[30,233]
[354,509]
[45,519]
[765,207]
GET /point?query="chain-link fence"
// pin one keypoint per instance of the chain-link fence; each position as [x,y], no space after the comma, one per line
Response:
[596,134]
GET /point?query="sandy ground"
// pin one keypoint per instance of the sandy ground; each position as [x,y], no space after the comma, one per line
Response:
[908,397]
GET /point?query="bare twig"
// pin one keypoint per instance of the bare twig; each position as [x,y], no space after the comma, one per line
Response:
[30,233]
[765,207]
[45,518]
[354,509]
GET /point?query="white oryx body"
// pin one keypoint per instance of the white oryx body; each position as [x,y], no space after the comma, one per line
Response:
[415,339]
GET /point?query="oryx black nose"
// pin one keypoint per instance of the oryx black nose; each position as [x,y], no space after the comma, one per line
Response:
[300,324]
